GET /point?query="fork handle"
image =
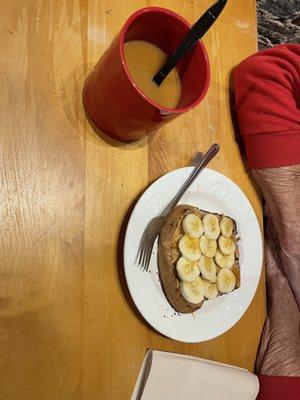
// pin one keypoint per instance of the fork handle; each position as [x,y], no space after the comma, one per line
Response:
[208,156]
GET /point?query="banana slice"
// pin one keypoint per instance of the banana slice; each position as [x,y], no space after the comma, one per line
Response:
[210,290]
[211,226]
[224,261]
[208,268]
[226,280]
[226,226]
[193,292]
[190,248]
[188,271]
[227,245]
[192,226]
[208,246]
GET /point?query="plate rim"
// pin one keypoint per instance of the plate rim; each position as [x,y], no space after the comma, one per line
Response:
[160,329]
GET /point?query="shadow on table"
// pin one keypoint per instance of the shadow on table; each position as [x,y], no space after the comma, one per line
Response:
[120,265]
[71,97]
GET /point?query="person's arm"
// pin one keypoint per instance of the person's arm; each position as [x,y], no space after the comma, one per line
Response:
[267,99]
[267,104]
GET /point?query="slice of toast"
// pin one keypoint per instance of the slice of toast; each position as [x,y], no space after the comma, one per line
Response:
[169,253]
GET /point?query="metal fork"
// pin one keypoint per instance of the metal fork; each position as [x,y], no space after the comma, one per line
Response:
[154,226]
[197,159]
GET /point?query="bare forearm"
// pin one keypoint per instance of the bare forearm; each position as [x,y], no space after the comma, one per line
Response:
[281,190]
[279,353]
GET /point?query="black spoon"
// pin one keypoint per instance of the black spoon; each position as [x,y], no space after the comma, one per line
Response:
[196,32]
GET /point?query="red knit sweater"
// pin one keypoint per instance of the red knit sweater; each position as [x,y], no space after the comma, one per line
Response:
[279,388]
[267,98]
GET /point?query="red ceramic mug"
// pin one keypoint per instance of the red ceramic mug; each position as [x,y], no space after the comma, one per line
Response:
[114,102]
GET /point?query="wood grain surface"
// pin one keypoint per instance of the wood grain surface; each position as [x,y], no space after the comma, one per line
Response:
[68,328]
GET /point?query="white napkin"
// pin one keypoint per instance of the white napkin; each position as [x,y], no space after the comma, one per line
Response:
[170,376]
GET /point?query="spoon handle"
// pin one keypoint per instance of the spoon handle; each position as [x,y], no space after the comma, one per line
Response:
[197,31]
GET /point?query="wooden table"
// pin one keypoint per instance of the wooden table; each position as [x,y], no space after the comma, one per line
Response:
[68,329]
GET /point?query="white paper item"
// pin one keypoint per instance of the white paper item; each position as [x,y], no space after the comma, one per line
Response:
[170,376]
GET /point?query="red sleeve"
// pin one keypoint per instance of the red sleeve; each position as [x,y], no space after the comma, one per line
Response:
[267,99]
[279,388]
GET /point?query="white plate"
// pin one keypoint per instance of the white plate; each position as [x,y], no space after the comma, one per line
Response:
[214,192]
